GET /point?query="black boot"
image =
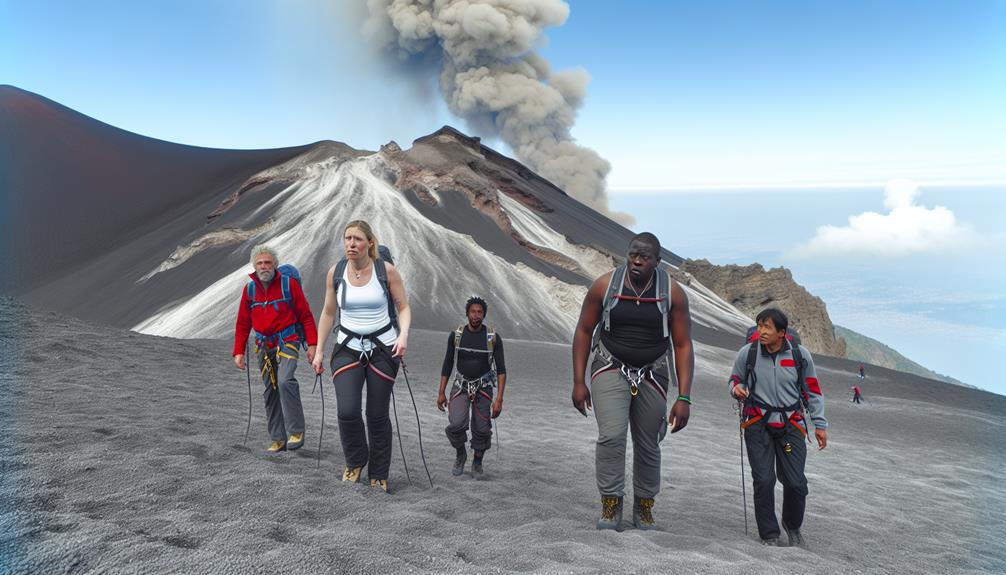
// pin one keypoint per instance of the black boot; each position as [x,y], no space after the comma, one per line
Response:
[459,461]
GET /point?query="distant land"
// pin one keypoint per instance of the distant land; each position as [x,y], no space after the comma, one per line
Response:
[868,350]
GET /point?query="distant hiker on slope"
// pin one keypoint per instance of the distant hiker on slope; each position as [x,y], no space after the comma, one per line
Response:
[862,371]
[480,369]
[637,312]
[273,304]
[778,387]
[368,295]
[857,394]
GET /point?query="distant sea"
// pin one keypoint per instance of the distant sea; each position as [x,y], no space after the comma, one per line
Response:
[945,310]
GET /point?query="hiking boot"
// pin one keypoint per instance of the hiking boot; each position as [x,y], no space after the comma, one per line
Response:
[459,462]
[795,539]
[383,483]
[642,513]
[296,441]
[352,474]
[770,541]
[611,513]
[276,447]
[477,469]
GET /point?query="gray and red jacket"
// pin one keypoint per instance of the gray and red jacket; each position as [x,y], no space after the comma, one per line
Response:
[777,386]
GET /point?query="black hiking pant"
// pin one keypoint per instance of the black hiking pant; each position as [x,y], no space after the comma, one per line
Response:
[768,456]
[350,377]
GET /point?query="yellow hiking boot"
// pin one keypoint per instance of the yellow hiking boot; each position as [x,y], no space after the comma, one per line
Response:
[276,447]
[352,474]
[383,483]
[296,441]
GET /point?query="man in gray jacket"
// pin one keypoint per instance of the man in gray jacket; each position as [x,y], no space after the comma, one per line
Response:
[774,398]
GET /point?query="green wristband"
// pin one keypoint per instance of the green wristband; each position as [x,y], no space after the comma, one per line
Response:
[685,399]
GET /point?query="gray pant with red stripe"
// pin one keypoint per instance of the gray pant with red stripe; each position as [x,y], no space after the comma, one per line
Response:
[617,411]
[349,378]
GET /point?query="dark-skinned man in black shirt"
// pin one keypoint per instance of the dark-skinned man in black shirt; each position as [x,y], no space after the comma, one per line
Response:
[474,400]
[639,314]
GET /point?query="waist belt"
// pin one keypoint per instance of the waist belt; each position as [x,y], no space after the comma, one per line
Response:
[371,338]
[767,410]
[473,386]
[634,375]
[273,340]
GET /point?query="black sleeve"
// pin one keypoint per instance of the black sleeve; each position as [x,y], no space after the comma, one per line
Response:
[448,367]
[498,355]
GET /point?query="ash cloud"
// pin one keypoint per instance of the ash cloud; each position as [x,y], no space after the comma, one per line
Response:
[491,76]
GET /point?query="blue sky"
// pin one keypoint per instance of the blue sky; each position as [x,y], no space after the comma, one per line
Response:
[772,95]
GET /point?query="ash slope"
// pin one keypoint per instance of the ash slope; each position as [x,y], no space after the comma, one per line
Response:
[127,456]
[459,217]
[74,187]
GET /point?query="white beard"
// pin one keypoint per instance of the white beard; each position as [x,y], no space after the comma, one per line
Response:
[266,276]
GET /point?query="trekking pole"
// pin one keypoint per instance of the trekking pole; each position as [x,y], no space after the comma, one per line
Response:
[398,429]
[321,434]
[419,426]
[248,376]
[744,491]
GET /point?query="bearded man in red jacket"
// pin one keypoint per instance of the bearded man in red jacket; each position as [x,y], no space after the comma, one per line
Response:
[275,307]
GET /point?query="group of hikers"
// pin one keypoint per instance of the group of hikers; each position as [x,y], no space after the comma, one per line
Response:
[632,319]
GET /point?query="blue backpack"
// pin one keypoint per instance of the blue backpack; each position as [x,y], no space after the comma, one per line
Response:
[286,271]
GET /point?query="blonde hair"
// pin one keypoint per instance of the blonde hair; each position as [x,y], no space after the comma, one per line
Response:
[364,227]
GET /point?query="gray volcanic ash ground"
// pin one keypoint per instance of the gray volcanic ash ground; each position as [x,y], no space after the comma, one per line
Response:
[122,453]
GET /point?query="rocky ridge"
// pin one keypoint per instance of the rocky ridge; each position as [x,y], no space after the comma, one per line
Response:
[752,288]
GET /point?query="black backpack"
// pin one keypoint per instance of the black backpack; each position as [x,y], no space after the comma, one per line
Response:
[383,255]
[793,339]
[287,272]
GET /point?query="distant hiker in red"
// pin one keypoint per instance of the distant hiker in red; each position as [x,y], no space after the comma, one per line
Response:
[857,395]
[862,371]
[273,304]
[777,383]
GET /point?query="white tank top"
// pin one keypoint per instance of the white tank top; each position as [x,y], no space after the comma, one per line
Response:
[365,311]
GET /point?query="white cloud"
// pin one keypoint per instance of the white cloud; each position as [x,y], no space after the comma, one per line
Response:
[906,229]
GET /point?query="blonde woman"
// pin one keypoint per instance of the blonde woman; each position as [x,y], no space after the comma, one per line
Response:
[364,297]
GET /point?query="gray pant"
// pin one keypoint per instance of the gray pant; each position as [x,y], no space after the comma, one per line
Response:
[462,410]
[282,405]
[617,410]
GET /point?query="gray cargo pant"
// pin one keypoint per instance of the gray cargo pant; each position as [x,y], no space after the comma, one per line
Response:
[282,404]
[617,410]
[462,410]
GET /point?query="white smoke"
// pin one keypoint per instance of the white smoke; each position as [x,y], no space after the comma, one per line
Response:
[491,77]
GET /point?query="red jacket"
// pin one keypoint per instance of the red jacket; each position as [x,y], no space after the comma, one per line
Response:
[267,320]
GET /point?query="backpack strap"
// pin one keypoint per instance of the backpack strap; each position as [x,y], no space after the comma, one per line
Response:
[614,288]
[382,276]
[750,379]
[800,366]
[457,337]
[663,296]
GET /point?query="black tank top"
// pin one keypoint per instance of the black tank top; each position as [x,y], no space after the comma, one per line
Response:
[636,336]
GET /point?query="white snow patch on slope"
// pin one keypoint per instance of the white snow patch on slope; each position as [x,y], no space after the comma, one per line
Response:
[441,267]
[535,230]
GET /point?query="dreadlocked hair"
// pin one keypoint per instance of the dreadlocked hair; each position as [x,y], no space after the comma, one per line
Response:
[476,300]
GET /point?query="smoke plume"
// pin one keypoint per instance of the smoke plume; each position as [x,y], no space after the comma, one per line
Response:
[490,76]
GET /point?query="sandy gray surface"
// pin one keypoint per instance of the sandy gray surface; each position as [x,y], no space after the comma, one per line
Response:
[123,453]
